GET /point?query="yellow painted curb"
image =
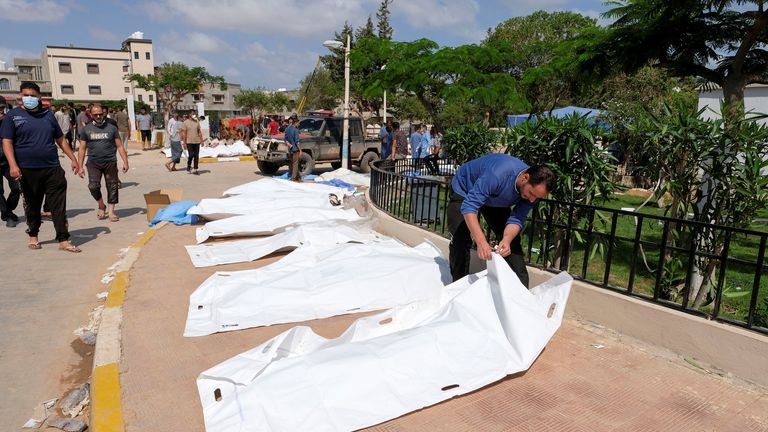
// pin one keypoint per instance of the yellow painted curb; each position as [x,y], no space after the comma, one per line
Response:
[117,289]
[208,160]
[144,238]
[107,408]
[247,158]
[213,159]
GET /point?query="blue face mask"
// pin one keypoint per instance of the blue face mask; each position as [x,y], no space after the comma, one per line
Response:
[30,102]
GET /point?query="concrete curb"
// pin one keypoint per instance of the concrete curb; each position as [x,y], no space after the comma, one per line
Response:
[227,159]
[106,402]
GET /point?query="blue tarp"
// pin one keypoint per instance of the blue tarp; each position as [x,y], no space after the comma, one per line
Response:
[286,176]
[339,184]
[176,213]
[516,119]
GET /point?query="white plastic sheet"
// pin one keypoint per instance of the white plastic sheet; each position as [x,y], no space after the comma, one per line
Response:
[213,254]
[272,221]
[347,176]
[317,282]
[388,364]
[237,148]
[220,208]
[277,186]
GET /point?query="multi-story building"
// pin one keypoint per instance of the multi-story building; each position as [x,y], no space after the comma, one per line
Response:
[9,83]
[214,99]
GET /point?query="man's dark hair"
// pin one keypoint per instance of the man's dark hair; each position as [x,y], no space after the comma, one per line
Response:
[395,125]
[29,85]
[539,174]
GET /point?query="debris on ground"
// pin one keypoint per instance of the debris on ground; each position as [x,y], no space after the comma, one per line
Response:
[40,414]
[102,295]
[94,319]
[88,338]
[74,402]
[68,425]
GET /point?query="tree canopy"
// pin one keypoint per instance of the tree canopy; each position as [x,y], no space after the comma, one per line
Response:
[719,41]
[172,81]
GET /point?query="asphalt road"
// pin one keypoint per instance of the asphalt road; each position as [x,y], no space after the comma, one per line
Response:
[46,294]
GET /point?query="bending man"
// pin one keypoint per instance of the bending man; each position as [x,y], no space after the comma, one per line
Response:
[491,185]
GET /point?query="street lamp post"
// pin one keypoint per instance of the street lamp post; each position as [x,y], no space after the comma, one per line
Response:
[334,44]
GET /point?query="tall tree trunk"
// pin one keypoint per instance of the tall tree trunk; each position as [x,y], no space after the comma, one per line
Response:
[733,96]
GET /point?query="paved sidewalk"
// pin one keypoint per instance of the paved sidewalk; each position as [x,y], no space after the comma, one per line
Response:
[46,294]
[586,379]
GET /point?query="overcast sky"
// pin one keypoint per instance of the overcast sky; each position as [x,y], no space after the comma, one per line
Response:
[266,43]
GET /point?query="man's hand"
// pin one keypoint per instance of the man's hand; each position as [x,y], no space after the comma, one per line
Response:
[81,173]
[125,167]
[15,172]
[484,250]
[75,167]
[503,249]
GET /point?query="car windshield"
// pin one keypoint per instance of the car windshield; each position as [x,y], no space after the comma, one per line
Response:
[311,126]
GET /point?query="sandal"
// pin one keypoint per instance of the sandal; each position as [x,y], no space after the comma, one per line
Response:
[34,246]
[101,214]
[70,248]
[168,167]
[113,218]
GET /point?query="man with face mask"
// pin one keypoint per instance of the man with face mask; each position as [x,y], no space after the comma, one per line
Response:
[101,139]
[28,134]
[7,205]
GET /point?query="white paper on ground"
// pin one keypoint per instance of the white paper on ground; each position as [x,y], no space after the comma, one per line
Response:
[317,282]
[272,221]
[237,148]
[345,175]
[273,185]
[213,254]
[389,364]
[221,208]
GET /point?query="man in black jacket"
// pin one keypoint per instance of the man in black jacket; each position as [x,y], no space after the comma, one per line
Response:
[7,205]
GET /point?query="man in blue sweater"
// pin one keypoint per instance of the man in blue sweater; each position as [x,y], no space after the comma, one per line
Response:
[293,140]
[492,185]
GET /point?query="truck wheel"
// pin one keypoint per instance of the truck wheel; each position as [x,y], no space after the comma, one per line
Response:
[365,162]
[267,168]
[306,164]
[335,165]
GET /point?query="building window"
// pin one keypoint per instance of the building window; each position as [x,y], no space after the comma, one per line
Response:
[136,55]
[149,75]
[197,97]
[151,97]
[127,89]
[94,90]
[67,89]
[65,67]
[125,68]
[5,84]
[147,56]
[141,99]
[93,68]
[218,99]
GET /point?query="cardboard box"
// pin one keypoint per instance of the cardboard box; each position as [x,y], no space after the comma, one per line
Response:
[160,198]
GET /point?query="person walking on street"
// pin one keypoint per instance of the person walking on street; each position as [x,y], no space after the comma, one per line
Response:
[174,128]
[123,126]
[7,205]
[399,142]
[28,137]
[293,140]
[62,118]
[191,137]
[101,140]
[417,143]
[491,185]
[144,126]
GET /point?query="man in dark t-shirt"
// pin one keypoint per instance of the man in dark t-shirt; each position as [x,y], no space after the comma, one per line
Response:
[101,140]
[29,132]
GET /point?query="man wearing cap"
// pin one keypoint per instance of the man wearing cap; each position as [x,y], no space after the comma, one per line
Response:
[28,137]
[293,140]
[7,205]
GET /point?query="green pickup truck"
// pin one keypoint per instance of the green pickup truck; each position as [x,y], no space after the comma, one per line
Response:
[321,139]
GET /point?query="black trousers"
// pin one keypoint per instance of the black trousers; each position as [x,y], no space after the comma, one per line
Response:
[49,184]
[461,239]
[8,205]
[193,155]
[109,171]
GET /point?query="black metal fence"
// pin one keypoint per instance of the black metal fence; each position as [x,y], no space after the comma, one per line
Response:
[714,271]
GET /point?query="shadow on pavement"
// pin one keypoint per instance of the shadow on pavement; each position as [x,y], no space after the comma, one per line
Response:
[129,184]
[82,236]
[76,212]
[128,212]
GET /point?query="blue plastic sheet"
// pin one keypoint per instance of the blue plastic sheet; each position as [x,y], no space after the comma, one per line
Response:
[285,176]
[176,213]
[339,184]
